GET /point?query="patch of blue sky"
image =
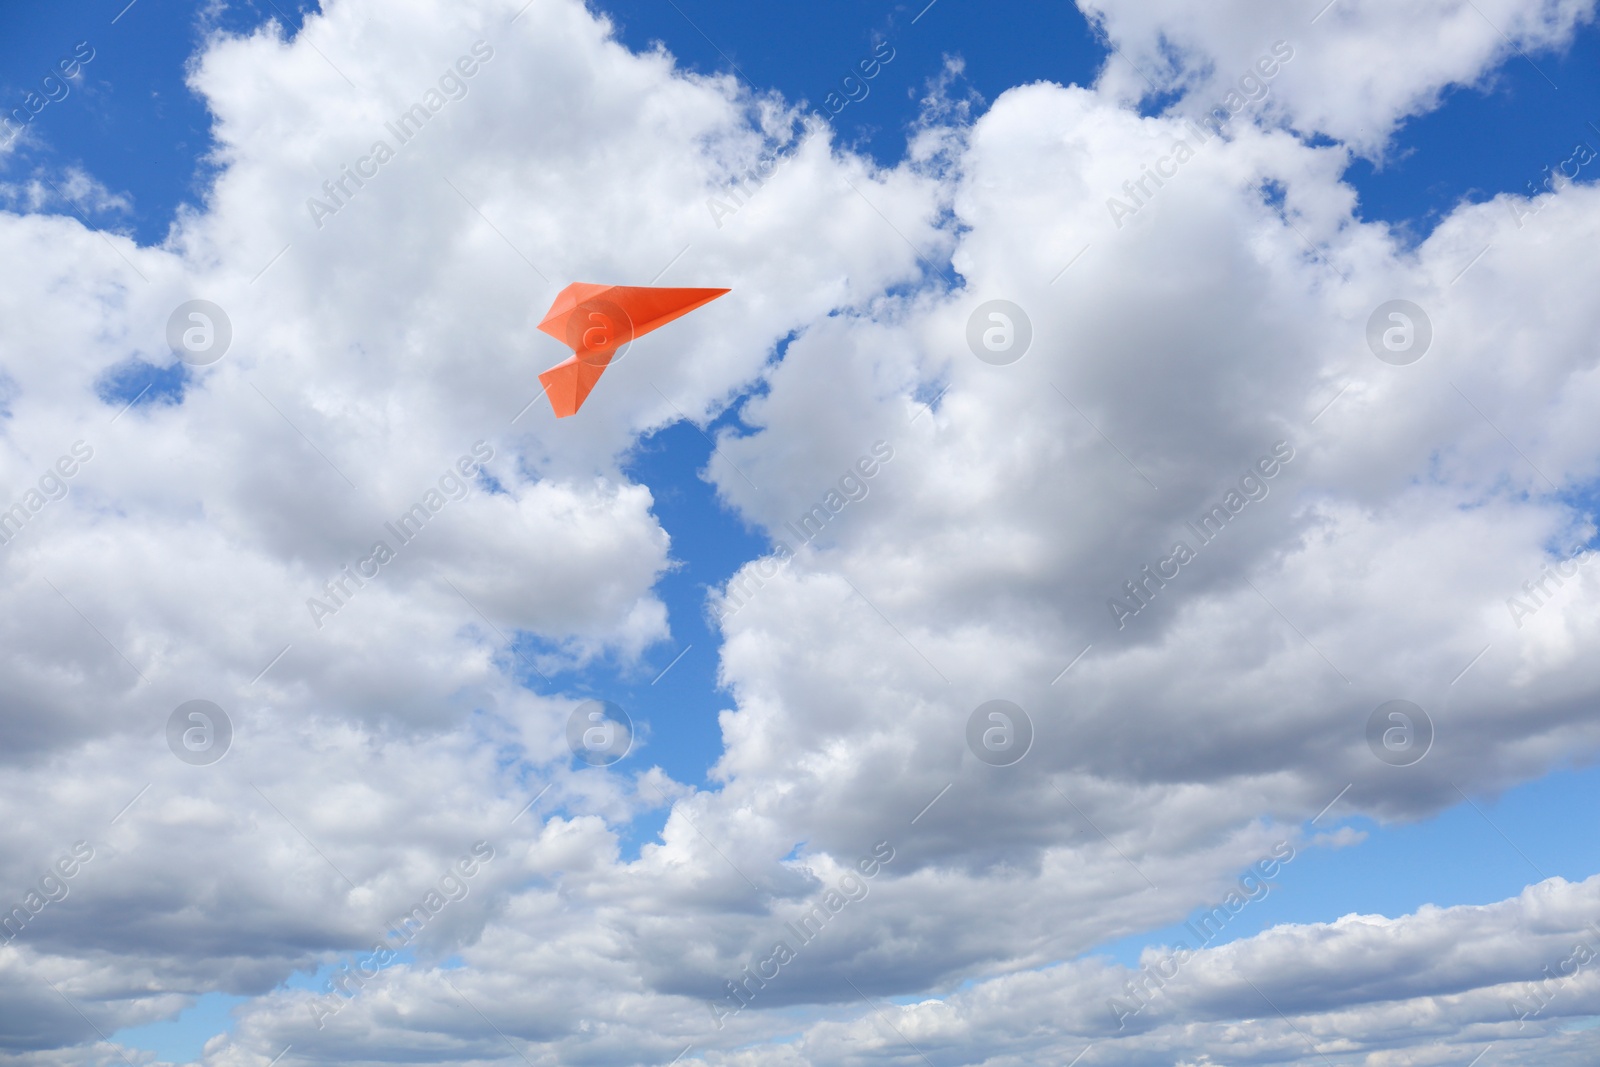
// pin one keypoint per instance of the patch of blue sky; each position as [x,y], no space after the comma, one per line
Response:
[1476,852]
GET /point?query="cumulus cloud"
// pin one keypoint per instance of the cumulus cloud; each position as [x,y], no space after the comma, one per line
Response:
[380,367]
[1359,68]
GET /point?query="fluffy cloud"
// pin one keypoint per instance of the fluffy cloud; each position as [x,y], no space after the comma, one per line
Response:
[380,337]
[1459,979]
[1359,67]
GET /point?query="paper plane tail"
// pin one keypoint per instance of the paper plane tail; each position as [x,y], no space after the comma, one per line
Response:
[568,384]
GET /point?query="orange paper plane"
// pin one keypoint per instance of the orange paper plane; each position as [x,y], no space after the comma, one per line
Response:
[596,321]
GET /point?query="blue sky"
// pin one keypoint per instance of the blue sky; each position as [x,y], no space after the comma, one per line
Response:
[132,125]
[131,122]
[135,125]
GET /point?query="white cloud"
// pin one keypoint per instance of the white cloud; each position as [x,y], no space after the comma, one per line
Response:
[1363,986]
[1170,353]
[1360,68]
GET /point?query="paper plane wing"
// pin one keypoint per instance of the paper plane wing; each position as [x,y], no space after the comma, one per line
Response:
[569,383]
[595,321]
